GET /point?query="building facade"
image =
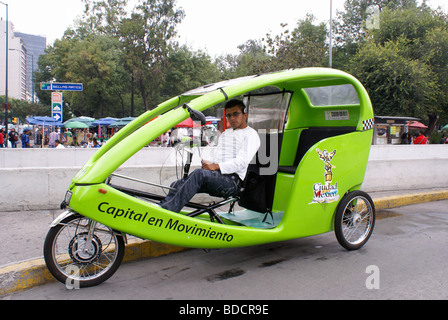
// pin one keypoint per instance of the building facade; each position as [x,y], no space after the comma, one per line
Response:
[23,53]
[35,46]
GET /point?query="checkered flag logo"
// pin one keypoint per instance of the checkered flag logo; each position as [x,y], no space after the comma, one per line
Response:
[368,124]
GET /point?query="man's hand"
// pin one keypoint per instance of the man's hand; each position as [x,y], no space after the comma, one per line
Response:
[207,165]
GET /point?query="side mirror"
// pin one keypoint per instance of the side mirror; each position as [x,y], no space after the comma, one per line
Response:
[196,115]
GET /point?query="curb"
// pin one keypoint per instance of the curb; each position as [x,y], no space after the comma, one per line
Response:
[409,199]
[32,273]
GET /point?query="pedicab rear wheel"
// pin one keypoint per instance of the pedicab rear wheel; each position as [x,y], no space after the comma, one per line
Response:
[354,220]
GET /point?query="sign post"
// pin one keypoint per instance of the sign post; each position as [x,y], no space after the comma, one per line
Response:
[56,97]
[56,106]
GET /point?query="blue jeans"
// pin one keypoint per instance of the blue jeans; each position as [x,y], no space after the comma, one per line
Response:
[200,181]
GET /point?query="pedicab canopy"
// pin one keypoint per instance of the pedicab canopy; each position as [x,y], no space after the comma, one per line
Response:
[321,120]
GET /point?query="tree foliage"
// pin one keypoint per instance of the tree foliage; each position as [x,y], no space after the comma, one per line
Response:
[114,55]
[304,46]
[146,37]
[403,63]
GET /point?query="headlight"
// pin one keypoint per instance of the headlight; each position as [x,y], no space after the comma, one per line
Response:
[67,198]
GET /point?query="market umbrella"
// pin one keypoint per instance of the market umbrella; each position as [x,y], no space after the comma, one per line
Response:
[416,125]
[121,122]
[86,120]
[445,127]
[189,123]
[44,121]
[76,125]
[104,121]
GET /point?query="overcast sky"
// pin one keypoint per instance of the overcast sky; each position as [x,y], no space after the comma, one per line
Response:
[215,26]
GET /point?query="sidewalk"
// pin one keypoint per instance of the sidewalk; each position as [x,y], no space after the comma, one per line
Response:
[22,265]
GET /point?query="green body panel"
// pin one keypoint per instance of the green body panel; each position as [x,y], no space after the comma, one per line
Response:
[133,216]
[308,198]
[294,193]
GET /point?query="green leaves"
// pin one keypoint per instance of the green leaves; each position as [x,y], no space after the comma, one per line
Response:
[113,54]
[404,63]
[304,46]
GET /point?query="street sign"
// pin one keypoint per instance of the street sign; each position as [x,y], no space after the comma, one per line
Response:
[56,86]
[56,106]
[57,117]
[45,86]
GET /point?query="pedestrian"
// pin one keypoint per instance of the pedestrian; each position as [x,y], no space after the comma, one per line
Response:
[13,137]
[38,140]
[53,137]
[69,136]
[1,138]
[96,144]
[420,138]
[443,139]
[90,143]
[165,139]
[405,138]
[25,138]
[58,144]
[222,175]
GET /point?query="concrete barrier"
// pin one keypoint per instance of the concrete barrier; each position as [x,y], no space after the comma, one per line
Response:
[406,167]
[37,179]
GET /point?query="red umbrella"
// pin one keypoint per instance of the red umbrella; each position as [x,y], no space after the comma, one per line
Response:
[416,125]
[188,124]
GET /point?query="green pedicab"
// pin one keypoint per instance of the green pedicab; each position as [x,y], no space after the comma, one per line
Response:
[315,127]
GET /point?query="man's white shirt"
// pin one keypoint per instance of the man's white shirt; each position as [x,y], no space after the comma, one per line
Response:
[235,150]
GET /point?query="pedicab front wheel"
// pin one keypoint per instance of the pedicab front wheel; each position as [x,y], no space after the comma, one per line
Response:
[82,253]
[354,220]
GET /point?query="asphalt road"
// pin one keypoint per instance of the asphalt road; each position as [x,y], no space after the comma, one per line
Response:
[24,237]
[404,259]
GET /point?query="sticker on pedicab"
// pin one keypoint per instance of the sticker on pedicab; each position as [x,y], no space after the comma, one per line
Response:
[327,192]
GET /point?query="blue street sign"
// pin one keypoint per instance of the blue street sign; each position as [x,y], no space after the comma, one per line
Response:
[57,116]
[45,86]
[55,86]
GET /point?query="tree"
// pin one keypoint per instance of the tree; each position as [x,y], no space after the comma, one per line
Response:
[102,17]
[22,109]
[146,38]
[304,46]
[188,70]
[397,85]
[95,62]
[403,64]
[351,26]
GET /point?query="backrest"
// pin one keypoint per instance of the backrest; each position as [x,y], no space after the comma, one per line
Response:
[312,135]
[308,138]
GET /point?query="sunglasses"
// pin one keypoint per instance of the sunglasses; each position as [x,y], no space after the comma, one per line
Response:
[235,114]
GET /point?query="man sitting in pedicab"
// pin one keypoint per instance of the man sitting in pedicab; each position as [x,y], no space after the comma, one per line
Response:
[222,175]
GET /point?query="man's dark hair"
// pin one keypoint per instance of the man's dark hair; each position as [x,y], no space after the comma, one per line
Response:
[234,103]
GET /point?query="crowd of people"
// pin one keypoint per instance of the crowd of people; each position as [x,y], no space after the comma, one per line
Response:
[50,137]
[419,138]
